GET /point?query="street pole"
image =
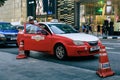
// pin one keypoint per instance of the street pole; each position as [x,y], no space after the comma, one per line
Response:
[77,14]
[56,9]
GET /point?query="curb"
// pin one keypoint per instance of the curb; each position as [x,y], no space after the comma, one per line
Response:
[109,37]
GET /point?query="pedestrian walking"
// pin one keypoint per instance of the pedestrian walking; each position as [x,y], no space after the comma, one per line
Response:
[90,29]
[111,30]
[83,28]
[103,30]
[106,27]
[87,29]
[98,29]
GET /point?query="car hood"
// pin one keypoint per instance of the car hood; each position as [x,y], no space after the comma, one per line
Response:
[8,31]
[80,37]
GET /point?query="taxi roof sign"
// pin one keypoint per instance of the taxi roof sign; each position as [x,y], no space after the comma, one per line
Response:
[54,20]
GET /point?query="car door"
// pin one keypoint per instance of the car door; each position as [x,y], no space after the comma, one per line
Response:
[29,32]
[37,39]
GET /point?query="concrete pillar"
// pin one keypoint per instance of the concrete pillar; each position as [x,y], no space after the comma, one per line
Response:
[77,15]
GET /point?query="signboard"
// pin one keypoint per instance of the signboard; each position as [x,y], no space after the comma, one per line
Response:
[45,7]
[31,8]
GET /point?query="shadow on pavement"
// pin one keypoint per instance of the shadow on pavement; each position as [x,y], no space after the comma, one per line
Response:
[9,46]
[45,56]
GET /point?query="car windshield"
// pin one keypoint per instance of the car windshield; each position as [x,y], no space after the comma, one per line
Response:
[62,28]
[6,26]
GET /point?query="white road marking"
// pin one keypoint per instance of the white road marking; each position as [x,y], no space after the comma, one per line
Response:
[114,53]
[109,48]
[111,43]
[118,40]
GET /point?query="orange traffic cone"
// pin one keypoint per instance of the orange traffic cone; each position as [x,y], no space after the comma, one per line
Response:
[104,65]
[21,54]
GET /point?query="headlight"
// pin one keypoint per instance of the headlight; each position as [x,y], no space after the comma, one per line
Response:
[78,43]
[2,35]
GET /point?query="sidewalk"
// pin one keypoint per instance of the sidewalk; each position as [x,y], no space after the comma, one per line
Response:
[100,36]
[33,69]
[109,37]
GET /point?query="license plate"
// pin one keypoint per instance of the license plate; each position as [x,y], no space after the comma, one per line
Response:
[94,48]
[13,38]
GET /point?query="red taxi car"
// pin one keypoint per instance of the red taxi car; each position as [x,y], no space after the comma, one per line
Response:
[58,39]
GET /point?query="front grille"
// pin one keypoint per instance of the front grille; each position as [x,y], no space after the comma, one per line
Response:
[93,43]
[10,35]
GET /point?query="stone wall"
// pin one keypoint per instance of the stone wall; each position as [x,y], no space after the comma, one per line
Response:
[13,11]
[16,10]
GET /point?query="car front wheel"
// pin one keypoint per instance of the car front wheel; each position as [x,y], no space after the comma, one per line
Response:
[60,52]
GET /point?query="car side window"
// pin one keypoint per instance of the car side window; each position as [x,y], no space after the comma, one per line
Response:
[0,27]
[32,29]
[45,27]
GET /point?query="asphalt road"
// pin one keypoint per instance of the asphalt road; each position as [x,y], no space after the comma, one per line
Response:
[87,63]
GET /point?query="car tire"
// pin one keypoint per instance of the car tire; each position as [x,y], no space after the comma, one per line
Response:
[27,53]
[60,52]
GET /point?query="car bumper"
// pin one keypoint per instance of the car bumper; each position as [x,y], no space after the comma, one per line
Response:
[81,51]
[7,41]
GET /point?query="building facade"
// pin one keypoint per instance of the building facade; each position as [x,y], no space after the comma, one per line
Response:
[97,11]
[74,12]
[18,10]
[13,11]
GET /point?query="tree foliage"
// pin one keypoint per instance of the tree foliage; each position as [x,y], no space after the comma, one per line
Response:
[2,2]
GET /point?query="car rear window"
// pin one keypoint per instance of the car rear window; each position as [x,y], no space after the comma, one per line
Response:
[6,26]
